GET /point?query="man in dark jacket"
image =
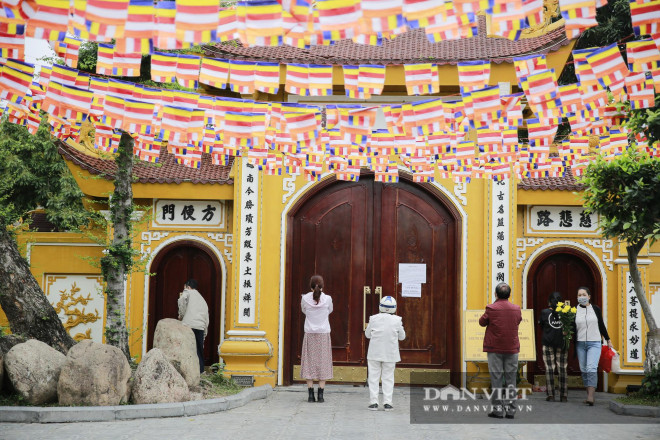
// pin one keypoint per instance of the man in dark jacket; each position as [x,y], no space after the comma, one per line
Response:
[501,343]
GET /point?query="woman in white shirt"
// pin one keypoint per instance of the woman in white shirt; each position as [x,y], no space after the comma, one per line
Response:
[589,332]
[316,358]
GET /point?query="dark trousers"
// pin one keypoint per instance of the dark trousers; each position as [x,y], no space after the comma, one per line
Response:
[199,340]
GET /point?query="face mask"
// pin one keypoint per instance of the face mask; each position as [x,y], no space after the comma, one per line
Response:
[583,300]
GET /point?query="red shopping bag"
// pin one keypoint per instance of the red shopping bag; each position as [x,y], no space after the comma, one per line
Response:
[606,355]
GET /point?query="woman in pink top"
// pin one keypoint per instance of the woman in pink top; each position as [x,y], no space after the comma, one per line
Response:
[316,358]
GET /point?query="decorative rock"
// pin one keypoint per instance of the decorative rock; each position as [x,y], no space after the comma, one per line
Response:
[177,342]
[157,381]
[94,374]
[33,368]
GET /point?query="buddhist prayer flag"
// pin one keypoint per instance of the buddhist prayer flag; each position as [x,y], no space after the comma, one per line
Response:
[164,67]
[64,75]
[371,79]
[241,76]
[113,111]
[267,77]
[645,16]
[50,20]
[137,116]
[351,74]
[261,22]
[104,58]
[214,72]
[196,20]
[106,19]
[165,35]
[126,64]
[319,79]
[421,79]
[607,64]
[12,45]
[473,75]
[529,64]
[512,109]
[643,55]
[338,18]
[297,79]
[14,81]
[139,28]
[382,17]
[579,15]
[187,70]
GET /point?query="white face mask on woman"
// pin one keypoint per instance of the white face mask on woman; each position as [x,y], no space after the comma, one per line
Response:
[583,300]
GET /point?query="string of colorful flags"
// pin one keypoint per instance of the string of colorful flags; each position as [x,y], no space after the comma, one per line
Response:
[427,136]
[139,26]
[430,137]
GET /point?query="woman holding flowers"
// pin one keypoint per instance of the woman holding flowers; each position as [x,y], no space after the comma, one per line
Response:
[554,347]
[590,330]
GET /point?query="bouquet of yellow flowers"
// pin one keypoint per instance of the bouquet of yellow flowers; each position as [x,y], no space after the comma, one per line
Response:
[567,317]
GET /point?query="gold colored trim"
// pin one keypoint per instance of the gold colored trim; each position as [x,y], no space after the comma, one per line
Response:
[423,376]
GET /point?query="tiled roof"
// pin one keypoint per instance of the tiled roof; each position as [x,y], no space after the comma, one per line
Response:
[565,183]
[166,171]
[411,47]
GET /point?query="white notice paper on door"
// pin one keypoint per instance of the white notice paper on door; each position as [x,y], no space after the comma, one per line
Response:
[412,273]
[411,290]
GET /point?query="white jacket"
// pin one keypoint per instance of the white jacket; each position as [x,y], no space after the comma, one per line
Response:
[193,310]
[385,331]
[316,315]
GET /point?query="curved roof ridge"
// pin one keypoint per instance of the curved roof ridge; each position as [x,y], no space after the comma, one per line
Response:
[168,172]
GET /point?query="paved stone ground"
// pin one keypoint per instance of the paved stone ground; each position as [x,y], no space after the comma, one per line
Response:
[287,415]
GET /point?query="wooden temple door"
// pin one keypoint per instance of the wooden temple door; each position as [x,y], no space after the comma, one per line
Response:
[562,270]
[173,266]
[355,235]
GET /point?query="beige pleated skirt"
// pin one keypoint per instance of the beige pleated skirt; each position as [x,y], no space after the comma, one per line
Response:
[316,357]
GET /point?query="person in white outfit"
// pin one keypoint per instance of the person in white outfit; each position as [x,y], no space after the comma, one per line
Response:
[385,330]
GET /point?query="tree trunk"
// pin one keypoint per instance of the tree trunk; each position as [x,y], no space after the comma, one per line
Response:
[116,264]
[27,308]
[652,349]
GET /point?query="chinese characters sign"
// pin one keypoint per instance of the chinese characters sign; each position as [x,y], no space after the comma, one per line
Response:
[248,243]
[500,232]
[199,214]
[561,219]
[634,347]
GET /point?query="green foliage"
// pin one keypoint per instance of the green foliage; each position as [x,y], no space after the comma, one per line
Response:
[644,121]
[625,192]
[639,399]
[34,175]
[651,383]
[87,56]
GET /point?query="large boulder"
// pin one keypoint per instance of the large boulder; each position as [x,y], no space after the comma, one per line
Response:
[33,368]
[157,381]
[94,374]
[177,342]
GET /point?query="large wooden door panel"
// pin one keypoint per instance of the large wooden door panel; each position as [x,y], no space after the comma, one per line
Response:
[355,235]
[421,232]
[330,240]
